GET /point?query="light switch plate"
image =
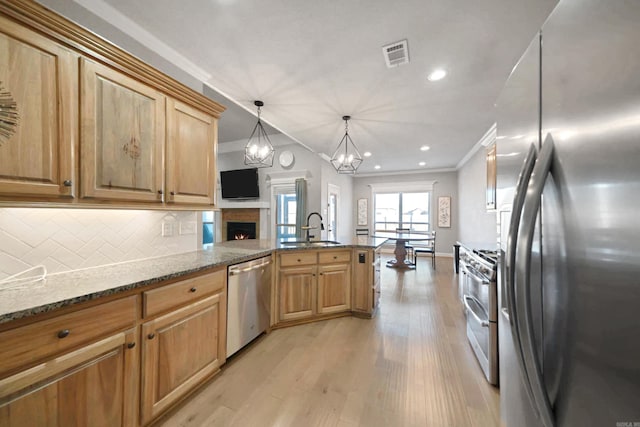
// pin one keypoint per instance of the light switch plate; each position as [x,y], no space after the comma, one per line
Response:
[187,227]
[167,229]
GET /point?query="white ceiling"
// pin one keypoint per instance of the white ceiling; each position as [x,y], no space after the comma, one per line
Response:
[312,62]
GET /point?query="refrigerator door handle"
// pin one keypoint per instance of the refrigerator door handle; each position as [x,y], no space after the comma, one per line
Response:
[512,238]
[530,210]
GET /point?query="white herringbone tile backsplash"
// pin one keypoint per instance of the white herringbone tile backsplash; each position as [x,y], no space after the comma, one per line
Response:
[71,239]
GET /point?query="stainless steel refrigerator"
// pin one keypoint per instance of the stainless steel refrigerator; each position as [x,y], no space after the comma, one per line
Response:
[568,155]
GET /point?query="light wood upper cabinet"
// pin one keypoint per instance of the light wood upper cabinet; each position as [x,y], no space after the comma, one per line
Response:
[191,154]
[122,136]
[39,77]
[93,125]
[181,349]
[94,385]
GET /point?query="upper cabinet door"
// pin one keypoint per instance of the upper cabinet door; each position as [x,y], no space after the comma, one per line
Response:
[38,114]
[191,152]
[122,136]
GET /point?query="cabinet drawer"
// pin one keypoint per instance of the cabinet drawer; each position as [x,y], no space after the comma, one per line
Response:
[298,258]
[27,344]
[334,256]
[164,298]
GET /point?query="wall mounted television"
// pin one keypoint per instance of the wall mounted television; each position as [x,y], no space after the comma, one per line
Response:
[240,184]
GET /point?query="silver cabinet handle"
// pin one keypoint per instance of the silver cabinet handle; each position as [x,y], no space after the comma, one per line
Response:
[505,313]
[530,210]
[483,323]
[512,239]
[235,270]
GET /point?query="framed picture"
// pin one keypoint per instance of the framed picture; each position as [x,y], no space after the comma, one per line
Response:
[444,211]
[362,211]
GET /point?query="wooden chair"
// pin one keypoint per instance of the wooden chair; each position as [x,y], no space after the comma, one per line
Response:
[362,231]
[426,247]
[410,253]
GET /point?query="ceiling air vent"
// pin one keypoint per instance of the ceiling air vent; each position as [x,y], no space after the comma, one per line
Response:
[396,53]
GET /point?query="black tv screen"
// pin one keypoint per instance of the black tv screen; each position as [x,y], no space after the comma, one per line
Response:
[240,184]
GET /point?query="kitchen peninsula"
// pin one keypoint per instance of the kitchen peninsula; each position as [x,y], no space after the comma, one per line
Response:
[157,326]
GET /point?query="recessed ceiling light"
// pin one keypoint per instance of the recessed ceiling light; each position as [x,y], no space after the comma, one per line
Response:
[377,167]
[367,153]
[436,75]
[425,148]
[422,163]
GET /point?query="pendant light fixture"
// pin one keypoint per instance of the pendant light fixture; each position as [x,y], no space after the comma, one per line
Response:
[259,151]
[346,158]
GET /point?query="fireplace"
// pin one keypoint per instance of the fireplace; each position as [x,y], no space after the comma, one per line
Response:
[241,230]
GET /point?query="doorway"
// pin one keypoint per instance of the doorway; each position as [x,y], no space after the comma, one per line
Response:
[333,204]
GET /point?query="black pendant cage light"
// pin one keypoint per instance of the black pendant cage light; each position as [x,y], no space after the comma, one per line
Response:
[259,151]
[346,159]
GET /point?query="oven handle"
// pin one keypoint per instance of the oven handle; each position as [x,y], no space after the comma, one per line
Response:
[510,258]
[475,276]
[483,323]
[530,210]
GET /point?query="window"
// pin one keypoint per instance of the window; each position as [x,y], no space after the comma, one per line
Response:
[207,229]
[402,210]
[285,213]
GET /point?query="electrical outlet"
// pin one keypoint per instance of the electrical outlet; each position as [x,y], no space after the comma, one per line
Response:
[187,227]
[167,229]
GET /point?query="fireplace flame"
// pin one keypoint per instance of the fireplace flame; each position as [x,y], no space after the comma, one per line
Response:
[241,236]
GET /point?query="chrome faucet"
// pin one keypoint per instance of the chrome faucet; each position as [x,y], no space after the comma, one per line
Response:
[307,227]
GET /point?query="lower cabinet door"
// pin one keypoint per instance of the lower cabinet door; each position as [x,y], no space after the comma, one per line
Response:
[296,292]
[180,350]
[92,386]
[334,288]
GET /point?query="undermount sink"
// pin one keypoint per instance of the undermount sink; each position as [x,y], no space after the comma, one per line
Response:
[304,243]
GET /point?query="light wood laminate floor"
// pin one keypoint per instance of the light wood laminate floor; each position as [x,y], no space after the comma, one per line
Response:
[410,366]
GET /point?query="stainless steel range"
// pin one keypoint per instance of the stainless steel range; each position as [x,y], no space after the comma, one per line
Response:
[479,294]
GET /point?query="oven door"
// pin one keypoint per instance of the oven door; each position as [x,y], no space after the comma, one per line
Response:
[478,332]
[480,288]
[479,302]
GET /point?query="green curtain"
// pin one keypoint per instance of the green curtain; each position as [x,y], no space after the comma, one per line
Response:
[301,207]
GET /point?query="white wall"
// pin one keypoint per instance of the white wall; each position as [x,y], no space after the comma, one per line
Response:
[446,185]
[318,172]
[71,239]
[476,224]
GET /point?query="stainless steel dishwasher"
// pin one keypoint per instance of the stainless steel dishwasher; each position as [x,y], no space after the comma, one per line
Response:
[248,302]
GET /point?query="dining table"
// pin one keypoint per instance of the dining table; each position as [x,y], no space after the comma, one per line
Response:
[401,238]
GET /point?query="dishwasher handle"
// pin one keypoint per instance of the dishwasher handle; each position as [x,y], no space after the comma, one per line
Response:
[249,266]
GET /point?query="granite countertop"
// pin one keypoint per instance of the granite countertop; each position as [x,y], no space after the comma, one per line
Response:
[63,289]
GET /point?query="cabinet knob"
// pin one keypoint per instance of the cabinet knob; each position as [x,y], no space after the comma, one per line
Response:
[151,335]
[335,257]
[67,183]
[131,345]
[173,193]
[299,260]
[192,289]
[160,192]
[63,333]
